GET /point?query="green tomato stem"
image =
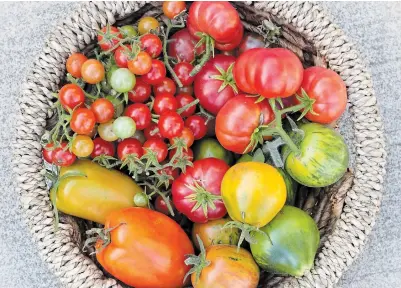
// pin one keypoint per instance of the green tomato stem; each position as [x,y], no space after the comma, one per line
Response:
[205,57]
[165,55]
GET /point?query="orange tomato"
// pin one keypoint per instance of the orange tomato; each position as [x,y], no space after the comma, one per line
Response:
[141,64]
[92,71]
[74,64]
[173,8]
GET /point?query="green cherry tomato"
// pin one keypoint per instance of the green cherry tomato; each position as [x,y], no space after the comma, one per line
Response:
[110,72]
[209,147]
[140,200]
[124,127]
[128,31]
[122,80]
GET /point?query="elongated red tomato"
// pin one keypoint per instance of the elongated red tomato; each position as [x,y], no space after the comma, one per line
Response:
[270,72]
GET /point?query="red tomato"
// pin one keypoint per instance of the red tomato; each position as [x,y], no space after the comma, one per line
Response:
[174,173]
[121,56]
[186,135]
[182,46]
[47,152]
[103,110]
[108,37]
[156,74]
[141,92]
[150,132]
[173,8]
[158,146]
[186,90]
[185,153]
[170,124]
[82,121]
[152,44]
[74,64]
[61,156]
[182,71]
[140,113]
[167,86]
[198,126]
[141,64]
[161,206]
[329,92]
[250,41]
[236,123]
[270,72]
[129,146]
[214,93]
[92,71]
[102,147]
[150,243]
[200,185]
[71,96]
[231,45]
[165,102]
[185,99]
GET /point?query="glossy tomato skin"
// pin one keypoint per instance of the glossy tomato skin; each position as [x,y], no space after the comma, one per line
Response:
[152,44]
[165,102]
[198,126]
[61,156]
[82,146]
[141,92]
[47,152]
[140,113]
[236,122]
[103,110]
[92,71]
[174,173]
[121,56]
[207,89]
[83,121]
[170,124]
[141,64]
[167,86]
[210,147]
[207,173]
[156,74]
[146,24]
[250,41]
[71,96]
[109,37]
[161,206]
[74,64]
[166,243]
[233,44]
[150,132]
[182,71]
[185,153]
[158,146]
[182,46]
[329,92]
[129,146]
[270,72]
[186,136]
[173,8]
[102,147]
[185,99]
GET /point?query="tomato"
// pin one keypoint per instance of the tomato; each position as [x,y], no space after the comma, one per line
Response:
[166,86]
[250,41]
[211,148]
[197,194]
[140,113]
[161,206]
[150,132]
[108,38]
[173,8]
[187,137]
[96,195]
[198,126]
[185,99]
[71,96]
[291,187]
[82,121]
[214,85]
[186,90]
[182,46]
[82,146]
[169,171]
[233,44]
[124,127]
[105,131]
[270,72]
[74,64]
[188,153]
[140,136]
[156,74]
[61,156]
[122,80]
[329,92]
[121,55]
[296,239]
[141,64]
[129,146]
[92,71]
[128,31]
[182,71]
[141,92]
[152,44]
[146,24]
[102,147]
[323,157]
[166,244]
[170,124]
[165,102]
[103,110]
[47,152]
[158,146]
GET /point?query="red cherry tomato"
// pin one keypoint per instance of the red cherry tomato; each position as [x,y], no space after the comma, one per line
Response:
[173,8]
[108,37]
[82,121]
[186,90]
[103,110]
[167,86]
[141,64]
[156,74]
[186,135]
[71,96]
[141,92]
[161,206]
[185,153]
[74,64]
[129,146]
[198,126]
[158,146]
[140,113]
[182,71]
[62,156]
[170,124]
[182,46]
[150,132]
[47,152]
[174,173]
[152,44]
[185,99]
[121,56]
[102,147]
[165,102]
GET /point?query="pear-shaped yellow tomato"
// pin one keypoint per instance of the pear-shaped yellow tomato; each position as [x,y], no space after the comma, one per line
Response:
[253,193]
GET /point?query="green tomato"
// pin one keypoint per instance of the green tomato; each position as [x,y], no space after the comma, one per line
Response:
[323,157]
[128,31]
[122,80]
[288,243]
[110,72]
[245,158]
[140,200]
[118,105]
[209,147]
[124,127]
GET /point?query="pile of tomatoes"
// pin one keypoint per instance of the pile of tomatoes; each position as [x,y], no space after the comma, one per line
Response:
[186,143]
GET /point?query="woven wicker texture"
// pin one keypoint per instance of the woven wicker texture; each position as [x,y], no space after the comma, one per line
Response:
[345,213]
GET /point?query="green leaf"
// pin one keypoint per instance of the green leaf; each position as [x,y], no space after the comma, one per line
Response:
[258,156]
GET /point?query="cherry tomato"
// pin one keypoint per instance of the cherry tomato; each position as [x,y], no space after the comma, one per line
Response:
[250,41]
[158,146]
[128,31]
[82,121]
[103,110]
[141,91]
[169,171]
[122,80]
[186,135]
[102,147]
[140,113]
[185,153]
[149,132]
[182,46]
[173,8]
[108,37]
[47,152]
[161,206]
[166,86]
[82,146]
[92,71]
[156,74]
[74,64]
[141,64]
[106,132]
[62,156]
[121,56]
[140,136]
[182,71]
[185,99]
[170,124]
[146,24]
[129,146]
[71,96]
[165,102]
[198,126]
[124,127]
[186,90]
[152,44]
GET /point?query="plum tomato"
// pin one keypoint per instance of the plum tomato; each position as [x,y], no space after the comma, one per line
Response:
[140,113]
[198,126]
[170,124]
[74,64]
[71,96]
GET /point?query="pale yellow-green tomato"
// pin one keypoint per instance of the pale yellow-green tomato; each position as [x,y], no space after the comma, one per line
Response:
[106,132]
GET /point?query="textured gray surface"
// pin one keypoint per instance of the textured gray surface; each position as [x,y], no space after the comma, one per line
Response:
[374,26]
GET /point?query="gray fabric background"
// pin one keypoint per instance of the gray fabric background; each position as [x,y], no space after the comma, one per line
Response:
[373,26]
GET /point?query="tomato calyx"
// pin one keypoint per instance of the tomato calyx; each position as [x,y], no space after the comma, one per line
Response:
[209,50]
[106,161]
[202,198]
[179,160]
[199,262]
[246,231]
[227,78]
[103,234]
[155,190]
[108,36]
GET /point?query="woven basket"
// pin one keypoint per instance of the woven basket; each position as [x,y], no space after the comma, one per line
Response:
[345,213]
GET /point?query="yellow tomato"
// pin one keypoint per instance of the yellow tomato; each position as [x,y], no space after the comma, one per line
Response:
[105,131]
[146,24]
[253,193]
[82,146]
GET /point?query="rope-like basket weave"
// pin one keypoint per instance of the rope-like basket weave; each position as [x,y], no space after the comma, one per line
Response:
[345,213]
